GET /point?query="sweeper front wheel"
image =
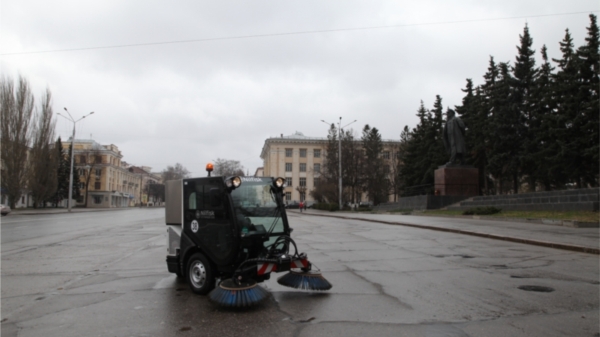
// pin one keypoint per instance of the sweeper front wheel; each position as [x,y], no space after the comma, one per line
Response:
[200,275]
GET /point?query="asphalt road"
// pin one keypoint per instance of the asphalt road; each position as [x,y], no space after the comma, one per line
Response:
[104,274]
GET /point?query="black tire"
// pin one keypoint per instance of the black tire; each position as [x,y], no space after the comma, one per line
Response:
[200,275]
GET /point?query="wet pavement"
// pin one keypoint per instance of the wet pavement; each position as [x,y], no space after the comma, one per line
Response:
[104,274]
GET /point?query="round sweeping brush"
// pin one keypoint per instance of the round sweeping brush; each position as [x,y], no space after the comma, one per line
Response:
[230,294]
[305,280]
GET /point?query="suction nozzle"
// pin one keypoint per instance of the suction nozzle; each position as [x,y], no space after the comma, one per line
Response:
[230,294]
[305,280]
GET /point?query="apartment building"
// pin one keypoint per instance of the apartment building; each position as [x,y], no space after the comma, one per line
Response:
[299,160]
[109,180]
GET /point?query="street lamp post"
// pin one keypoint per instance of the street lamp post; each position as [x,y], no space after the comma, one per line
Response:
[340,154]
[72,153]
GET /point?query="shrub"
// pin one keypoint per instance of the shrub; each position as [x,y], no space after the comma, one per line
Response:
[482,211]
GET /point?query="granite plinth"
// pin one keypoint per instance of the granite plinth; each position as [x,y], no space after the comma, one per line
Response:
[457,180]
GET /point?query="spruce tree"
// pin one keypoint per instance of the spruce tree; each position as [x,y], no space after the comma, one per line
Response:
[413,159]
[567,130]
[62,176]
[474,114]
[505,141]
[373,169]
[547,147]
[588,119]
[524,100]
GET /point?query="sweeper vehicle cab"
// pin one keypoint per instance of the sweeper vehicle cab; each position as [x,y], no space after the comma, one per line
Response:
[227,234]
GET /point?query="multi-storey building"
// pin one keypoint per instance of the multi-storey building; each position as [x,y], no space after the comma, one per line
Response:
[299,160]
[104,179]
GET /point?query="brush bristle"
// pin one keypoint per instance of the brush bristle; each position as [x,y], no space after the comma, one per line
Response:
[309,280]
[228,294]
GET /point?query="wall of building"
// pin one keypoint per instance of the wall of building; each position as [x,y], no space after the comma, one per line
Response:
[295,150]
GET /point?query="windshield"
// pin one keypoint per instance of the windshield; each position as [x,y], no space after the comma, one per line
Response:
[255,204]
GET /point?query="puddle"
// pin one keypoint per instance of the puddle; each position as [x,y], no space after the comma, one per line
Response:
[540,289]
[166,282]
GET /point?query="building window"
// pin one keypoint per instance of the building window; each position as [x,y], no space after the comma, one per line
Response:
[302,167]
[82,172]
[303,182]
[288,153]
[386,154]
[288,196]
[317,153]
[289,181]
[82,159]
[97,199]
[317,168]
[316,181]
[288,167]
[303,153]
[97,185]
[98,173]
[98,159]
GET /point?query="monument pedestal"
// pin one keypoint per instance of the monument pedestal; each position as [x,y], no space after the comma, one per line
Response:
[457,180]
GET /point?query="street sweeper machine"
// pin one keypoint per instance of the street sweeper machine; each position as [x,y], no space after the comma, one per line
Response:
[227,234]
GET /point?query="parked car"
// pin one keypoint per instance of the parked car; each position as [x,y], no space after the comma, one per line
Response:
[293,204]
[4,209]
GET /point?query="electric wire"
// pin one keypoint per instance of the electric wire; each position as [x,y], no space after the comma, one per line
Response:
[241,37]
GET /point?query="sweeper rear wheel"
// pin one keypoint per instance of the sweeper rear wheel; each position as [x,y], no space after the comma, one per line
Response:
[200,275]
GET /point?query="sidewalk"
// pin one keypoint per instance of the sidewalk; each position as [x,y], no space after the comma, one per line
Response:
[584,240]
[19,211]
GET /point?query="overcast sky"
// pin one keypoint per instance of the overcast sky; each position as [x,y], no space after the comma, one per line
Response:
[243,78]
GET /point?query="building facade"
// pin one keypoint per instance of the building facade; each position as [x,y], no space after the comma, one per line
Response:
[104,179]
[299,159]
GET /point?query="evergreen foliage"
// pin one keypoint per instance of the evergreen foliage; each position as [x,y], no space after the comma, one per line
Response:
[62,173]
[527,127]
[374,178]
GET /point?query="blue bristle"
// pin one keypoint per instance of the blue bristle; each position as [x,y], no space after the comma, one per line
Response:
[304,281]
[244,297]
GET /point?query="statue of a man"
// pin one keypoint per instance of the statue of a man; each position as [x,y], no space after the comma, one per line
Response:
[454,138]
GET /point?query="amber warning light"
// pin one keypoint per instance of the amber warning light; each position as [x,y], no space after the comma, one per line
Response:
[209,167]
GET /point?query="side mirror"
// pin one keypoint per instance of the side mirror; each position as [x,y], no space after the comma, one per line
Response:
[215,197]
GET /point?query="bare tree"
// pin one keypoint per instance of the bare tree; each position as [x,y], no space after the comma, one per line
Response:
[43,162]
[391,170]
[89,160]
[17,108]
[226,167]
[175,172]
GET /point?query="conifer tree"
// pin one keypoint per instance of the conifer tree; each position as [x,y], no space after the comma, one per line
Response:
[413,161]
[524,100]
[505,141]
[547,147]
[474,114]
[588,119]
[567,132]
[62,174]
[373,168]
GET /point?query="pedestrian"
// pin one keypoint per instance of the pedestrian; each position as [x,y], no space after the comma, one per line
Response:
[304,205]
[300,206]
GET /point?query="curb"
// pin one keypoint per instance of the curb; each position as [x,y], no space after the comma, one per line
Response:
[554,222]
[563,246]
[46,212]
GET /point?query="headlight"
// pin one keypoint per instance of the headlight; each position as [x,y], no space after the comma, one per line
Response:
[233,182]
[279,182]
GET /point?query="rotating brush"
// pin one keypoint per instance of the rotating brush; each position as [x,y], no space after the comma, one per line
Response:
[230,294]
[305,280]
